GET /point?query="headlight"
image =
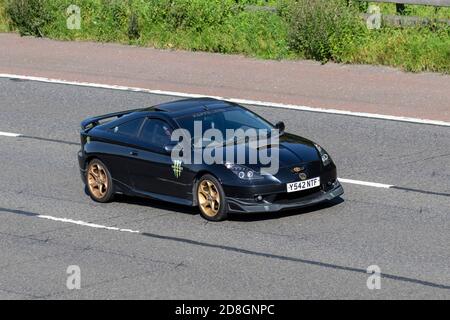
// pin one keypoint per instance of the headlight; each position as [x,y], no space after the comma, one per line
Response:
[243,172]
[326,159]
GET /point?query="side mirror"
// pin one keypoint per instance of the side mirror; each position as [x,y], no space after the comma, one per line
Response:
[280,126]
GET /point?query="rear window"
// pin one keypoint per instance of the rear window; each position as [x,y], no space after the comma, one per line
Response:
[130,128]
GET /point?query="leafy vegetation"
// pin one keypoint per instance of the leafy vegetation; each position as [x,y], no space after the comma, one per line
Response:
[325,30]
[412,49]
[333,30]
[319,29]
[30,17]
[3,17]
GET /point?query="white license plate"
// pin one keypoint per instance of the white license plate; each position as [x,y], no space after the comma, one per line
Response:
[303,185]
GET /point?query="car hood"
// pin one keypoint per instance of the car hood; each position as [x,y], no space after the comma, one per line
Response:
[292,150]
[296,150]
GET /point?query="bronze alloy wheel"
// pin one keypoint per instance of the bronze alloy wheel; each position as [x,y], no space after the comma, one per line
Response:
[97,180]
[209,198]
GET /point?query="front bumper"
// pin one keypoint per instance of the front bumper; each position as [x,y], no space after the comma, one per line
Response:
[237,205]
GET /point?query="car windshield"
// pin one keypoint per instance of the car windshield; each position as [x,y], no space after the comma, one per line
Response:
[223,120]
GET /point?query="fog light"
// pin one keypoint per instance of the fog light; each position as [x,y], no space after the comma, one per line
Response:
[259,198]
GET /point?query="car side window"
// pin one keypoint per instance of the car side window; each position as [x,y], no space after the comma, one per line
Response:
[156,133]
[130,128]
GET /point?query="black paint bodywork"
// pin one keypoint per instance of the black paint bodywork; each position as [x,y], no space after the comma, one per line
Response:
[139,169]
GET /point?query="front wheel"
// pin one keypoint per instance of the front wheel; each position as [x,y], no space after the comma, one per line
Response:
[99,181]
[211,199]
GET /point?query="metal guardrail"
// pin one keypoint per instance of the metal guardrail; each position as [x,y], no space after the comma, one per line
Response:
[406,21]
[252,7]
[396,20]
[434,3]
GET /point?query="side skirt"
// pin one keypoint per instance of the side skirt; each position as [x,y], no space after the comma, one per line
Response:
[122,188]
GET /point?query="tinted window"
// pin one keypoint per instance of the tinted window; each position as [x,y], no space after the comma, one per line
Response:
[130,128]
[232,118]
[156,133]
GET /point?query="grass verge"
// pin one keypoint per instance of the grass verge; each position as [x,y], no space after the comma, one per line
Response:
[324,30]
[4,24]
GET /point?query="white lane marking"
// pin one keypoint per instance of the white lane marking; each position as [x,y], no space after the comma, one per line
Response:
[86,224]
[366,183]
[10,134]
[240,101]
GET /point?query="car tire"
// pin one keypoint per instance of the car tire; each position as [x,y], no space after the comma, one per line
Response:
[211,199]
[99,182]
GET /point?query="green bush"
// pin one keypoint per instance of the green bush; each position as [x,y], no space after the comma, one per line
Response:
[28,16]
[111,20]
[185,14]
[317,27]
[259,34]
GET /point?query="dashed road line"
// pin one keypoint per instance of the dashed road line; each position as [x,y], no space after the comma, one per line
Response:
[366,183]
[86,224]
[19,135]
[230,249]
[10,134]
[236,100]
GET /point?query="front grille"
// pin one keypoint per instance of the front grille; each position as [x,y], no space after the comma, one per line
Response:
[291,197]
[311,169]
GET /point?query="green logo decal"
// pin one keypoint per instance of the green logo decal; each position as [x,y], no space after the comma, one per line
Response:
[177,168]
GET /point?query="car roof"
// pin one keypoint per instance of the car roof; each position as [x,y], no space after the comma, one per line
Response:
[184,107]
[168,111]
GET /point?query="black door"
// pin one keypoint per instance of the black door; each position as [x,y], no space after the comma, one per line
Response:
[116,155]
[153,170]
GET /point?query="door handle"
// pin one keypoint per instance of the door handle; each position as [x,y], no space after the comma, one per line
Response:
[134,153]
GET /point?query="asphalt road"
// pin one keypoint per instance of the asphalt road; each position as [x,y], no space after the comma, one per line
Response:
[321,252]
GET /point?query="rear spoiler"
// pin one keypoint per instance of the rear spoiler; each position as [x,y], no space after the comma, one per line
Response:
[92,122]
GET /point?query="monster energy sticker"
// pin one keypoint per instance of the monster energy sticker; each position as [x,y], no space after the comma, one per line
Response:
[177,168]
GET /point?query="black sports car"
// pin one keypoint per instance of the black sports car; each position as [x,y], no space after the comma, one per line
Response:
[131,152]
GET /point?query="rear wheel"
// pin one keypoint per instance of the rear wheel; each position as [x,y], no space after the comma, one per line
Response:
[99,181]
[211,199]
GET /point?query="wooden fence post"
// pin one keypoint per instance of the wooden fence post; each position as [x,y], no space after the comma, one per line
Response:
[400,7]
